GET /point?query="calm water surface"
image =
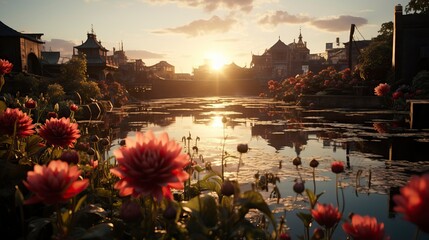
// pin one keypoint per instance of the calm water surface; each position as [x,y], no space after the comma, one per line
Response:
[380,154]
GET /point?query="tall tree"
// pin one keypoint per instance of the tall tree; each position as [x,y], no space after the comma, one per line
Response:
[73,73]
[417,6]
[375,62]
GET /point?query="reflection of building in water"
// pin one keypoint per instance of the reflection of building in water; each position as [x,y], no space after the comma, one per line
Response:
[278,138]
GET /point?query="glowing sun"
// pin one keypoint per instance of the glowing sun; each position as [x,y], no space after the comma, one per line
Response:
[216,60]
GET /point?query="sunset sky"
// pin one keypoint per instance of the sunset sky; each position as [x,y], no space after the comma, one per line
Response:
[190,33]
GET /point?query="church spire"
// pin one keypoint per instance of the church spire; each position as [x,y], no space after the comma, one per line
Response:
[300,36]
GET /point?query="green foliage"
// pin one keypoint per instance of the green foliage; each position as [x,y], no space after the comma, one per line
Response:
[421,83]
[25,84]
[376,62]
[55,92]
[89,90]
[210,220]
[385,33]
[417,6]
[73,73]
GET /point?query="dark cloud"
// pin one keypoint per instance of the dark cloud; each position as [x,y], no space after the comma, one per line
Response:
[142,54]
[280,17]
[202,27]
[332,24]
[338,24]
[211,5]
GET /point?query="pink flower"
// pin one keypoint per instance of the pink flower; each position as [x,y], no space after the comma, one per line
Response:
[24,123]
[326,215]
[382,89]
[364,228]
[60,132]
[150,166]
[5,67]
[55,183]
[413,201]
[337,167]
[397,95]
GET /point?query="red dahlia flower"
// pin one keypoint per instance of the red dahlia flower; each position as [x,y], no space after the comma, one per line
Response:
[55,183]
[24,123]
[326,215]
[60,132]
[413,201]
[5,67]
[150,166]
[364,228]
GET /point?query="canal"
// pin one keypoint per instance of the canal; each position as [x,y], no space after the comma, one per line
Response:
[378,148]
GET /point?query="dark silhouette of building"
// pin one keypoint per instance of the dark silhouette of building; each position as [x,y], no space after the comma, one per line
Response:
[410,44]
[100,66]
[21,49]
[163,70]
[281,60]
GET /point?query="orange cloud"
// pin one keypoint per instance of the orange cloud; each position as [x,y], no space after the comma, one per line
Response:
[211,5]
[202,27]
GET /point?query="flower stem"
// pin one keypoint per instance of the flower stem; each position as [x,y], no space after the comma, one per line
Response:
[314,181]
[336,189]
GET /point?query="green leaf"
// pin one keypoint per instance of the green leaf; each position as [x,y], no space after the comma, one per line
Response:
[103,192]
[32,145]
[198,168]
[306,218]
[3,106]
[253,199]
[103,231]
[204,207]
[312,197]
[79,203]
[41,228]
[211,181]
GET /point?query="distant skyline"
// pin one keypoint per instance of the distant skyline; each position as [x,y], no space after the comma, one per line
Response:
[190,33]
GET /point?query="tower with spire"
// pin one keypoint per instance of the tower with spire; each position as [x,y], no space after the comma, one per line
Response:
[282,60]
[99,64]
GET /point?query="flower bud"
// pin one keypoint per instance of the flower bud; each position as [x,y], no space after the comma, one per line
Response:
[314,163]
[73,107]
[70,156]
[297,161]
[337,167]
[51,115]
[94,138]
[227,188]
[299,187]
[104,142]
[30,104]
[91,151]
[284,236]
[242,148]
